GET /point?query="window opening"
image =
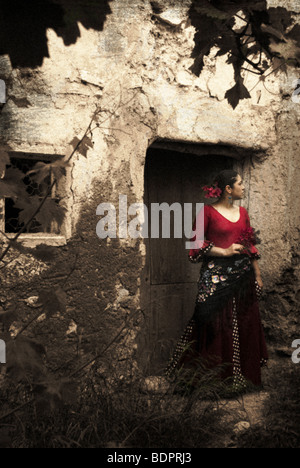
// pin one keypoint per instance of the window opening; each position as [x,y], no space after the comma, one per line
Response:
[11,223]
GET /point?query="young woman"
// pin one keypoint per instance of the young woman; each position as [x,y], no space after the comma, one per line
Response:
[226,327]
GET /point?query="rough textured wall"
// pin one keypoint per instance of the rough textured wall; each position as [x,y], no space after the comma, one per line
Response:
[135,73]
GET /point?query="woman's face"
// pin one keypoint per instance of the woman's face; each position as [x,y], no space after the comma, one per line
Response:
[238,189]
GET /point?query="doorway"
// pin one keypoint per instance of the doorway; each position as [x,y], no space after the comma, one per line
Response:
[169,279]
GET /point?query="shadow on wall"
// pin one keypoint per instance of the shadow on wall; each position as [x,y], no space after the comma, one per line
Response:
[97,282]
[280,307]
[23,26]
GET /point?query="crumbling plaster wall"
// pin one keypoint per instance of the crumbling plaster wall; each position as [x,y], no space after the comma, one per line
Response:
[136,73]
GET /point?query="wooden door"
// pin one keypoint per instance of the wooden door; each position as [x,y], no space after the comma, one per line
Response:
[169,280]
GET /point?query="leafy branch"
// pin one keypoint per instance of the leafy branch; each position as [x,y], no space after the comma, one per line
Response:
[268,33]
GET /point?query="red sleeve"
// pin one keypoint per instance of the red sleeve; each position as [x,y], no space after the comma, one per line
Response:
[253,250]
[203,246]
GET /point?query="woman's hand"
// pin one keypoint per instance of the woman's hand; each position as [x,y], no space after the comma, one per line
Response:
[257,273]
[259,281]
[234,249]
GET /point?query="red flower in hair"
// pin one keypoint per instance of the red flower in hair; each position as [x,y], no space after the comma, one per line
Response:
[212,192]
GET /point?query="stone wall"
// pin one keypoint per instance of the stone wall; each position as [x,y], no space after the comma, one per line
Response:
[135,73]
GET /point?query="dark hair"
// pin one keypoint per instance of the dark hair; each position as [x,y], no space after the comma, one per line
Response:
[224,178]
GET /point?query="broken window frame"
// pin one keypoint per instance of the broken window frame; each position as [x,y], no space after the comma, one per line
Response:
[49,238]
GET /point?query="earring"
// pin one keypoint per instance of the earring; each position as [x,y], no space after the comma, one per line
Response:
[230,199]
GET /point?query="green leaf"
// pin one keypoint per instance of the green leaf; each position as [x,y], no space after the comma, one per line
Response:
[237,93]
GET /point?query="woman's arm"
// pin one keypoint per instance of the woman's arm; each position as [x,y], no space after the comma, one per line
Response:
[257,272]
[234,249]
[208,248]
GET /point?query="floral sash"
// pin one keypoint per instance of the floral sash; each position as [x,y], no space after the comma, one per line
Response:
[220,280]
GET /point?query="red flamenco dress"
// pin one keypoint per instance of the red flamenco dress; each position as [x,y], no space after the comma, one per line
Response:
[225,329]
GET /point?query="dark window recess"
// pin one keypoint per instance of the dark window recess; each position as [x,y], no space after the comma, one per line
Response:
[12,223]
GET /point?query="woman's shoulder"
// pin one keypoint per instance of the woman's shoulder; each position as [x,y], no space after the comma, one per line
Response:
[244,214]
[209,209]
[243,210]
